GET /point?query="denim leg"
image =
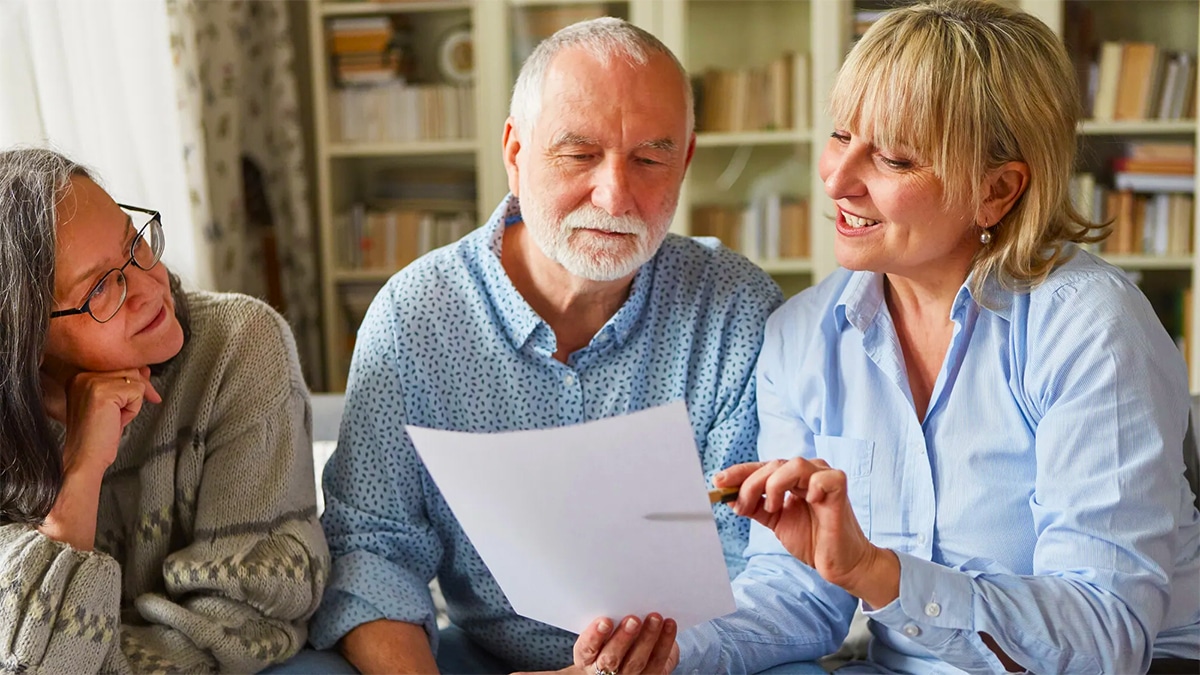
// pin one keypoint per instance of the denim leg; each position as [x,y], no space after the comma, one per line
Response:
[458,655]
[795,668]
[313,662]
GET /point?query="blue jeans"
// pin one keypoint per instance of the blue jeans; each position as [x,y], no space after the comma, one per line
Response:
[795,668]
[457,655]
[313,662]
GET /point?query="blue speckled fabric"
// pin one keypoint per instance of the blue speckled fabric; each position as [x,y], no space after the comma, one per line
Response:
[449,343]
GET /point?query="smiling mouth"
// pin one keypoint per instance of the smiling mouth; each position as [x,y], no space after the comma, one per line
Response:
[156,321]
[857,223]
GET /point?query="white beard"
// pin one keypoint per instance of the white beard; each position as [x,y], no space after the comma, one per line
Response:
[585,254]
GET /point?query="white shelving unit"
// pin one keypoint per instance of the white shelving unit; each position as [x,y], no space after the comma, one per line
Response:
[704,34]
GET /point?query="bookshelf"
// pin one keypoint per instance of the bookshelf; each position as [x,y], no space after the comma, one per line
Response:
[746,157]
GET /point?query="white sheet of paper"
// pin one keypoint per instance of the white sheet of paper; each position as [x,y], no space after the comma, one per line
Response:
[560,517]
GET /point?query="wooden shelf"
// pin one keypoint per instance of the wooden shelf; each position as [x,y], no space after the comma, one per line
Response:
[357,8]
[1151,262]
[363,276]
[368,149]
[1138,127]
[722,139]
[786,265]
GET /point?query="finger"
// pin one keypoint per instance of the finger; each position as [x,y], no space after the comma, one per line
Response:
[791,477]
[735,474]
[821,463]
[613,652]
[639,653]
[660,657]
[151,394]
[825,486]
[672,662]
[588,645]
[751,491]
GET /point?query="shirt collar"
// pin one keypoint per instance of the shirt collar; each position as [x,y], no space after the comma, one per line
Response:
[519,320]
[862,297]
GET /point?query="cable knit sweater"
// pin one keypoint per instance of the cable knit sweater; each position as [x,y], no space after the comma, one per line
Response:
[208,552]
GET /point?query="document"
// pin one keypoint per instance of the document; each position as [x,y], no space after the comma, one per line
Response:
[606,518]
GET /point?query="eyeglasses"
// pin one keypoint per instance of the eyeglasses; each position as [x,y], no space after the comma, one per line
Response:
[108,295]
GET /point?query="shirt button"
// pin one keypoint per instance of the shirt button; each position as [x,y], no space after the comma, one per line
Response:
[920,538]
[933,609]
[569,379]
[911,630]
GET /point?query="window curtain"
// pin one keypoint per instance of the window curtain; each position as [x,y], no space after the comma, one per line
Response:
[93,79]
[235,64]
[186,106]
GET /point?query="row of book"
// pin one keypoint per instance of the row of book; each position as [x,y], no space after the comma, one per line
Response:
[772,228]
[1140,81]
[1158,223]
[367,49]
[388,238]
[771,97]
[402,112]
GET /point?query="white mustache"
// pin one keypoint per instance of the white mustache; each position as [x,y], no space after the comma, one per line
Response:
[597,219]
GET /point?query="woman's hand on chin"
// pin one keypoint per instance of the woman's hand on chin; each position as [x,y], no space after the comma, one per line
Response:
[95,408]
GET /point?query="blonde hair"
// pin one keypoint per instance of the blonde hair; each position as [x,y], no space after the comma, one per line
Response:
[967,86]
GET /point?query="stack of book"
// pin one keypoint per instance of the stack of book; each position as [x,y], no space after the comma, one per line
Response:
[1151,202]
[1140,81]
[772,228]
[771,97]
[400,112]
[410,213]
[363,50]
[388,237]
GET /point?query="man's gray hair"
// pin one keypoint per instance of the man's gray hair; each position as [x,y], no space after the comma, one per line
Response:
[606,38]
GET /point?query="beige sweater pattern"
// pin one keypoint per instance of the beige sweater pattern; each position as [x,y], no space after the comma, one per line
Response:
[209,556]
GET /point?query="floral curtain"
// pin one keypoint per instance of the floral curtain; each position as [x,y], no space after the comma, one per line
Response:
[244,155]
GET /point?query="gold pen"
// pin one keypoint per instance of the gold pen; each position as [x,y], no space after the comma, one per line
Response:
[722,495]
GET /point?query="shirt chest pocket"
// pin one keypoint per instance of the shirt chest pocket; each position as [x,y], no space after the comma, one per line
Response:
[854,457]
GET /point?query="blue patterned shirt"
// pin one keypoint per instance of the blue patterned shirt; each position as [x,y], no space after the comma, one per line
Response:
[449,343]
[1041,500]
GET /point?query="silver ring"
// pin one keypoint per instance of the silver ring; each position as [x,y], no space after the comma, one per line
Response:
[601,671]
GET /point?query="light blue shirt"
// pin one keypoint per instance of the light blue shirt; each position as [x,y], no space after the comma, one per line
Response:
[449,343]
[1041,501]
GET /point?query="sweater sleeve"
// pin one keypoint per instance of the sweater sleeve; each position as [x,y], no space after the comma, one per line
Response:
[59,607]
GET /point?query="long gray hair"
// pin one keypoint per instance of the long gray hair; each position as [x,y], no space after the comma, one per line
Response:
[32,182]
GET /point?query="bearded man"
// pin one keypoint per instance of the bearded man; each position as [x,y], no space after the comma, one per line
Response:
[571,304]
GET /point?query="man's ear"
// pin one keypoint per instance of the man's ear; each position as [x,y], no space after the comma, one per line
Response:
[690,151]
[511,141]
[1006,184]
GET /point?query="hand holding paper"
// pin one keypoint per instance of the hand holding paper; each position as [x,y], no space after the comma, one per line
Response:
[559,517]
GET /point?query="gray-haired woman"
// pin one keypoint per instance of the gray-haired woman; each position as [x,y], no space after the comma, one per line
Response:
[157,509]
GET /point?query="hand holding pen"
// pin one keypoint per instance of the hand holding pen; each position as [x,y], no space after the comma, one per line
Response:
[806,504]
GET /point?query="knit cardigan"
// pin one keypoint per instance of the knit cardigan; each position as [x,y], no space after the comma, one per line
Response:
[208,556]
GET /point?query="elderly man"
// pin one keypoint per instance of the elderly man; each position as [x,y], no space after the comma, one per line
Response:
[572,303]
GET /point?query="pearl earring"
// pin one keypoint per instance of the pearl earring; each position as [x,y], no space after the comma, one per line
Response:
[985,237]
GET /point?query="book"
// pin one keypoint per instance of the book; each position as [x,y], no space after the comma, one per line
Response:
[1135,80]
[1105,106]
